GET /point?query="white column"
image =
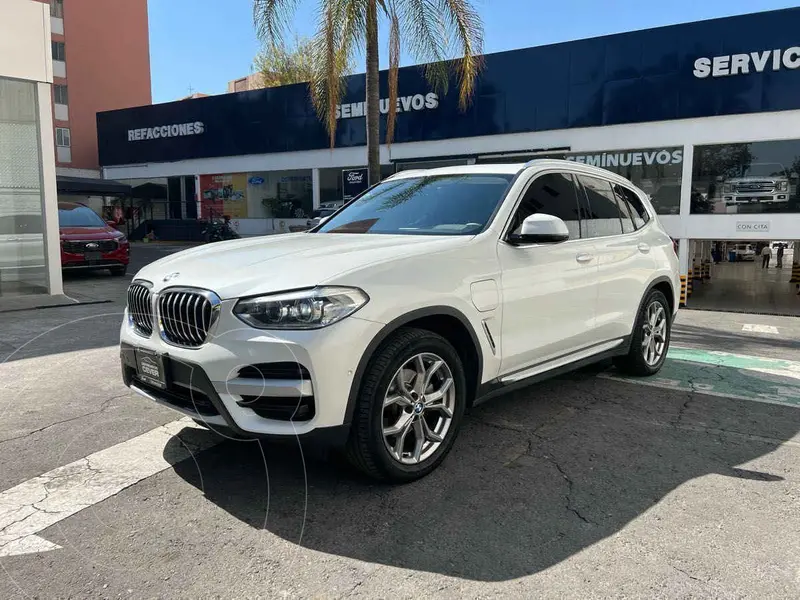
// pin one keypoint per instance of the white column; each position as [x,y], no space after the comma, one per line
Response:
[52,239]
[683,256]
[184,199]
[198,196]
[686,183]
[315,190]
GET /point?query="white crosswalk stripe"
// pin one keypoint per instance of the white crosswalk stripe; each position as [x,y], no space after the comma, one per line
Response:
[43,501]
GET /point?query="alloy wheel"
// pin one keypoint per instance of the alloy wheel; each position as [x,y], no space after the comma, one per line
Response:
[654,338]
[418,408]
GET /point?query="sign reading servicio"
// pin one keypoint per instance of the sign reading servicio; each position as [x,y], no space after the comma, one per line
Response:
[743,64]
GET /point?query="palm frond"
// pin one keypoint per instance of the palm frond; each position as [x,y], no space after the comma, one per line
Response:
[340,32]
[424,35]
[272,18]
[465,29]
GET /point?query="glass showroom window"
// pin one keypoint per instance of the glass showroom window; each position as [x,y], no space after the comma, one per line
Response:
[22,255]
[280,194]
[746,178]
[331,188]
[657,171]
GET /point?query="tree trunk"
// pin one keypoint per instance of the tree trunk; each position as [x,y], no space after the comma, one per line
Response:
[373,96]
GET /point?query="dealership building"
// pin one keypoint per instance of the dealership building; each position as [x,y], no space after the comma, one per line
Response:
[704,117]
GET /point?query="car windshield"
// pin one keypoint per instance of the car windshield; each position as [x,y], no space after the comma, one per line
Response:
[78,216]
[434,205]
[764,170]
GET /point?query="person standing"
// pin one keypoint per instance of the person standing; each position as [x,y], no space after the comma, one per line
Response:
[779,256]
[766,254]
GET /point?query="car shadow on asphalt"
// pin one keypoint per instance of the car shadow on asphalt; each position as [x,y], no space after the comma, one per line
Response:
[535,477]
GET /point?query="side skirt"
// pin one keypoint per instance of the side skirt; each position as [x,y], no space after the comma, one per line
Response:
[495,387]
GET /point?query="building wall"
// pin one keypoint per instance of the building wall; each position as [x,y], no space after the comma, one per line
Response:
[254,81]
[687,133]
[107,67]
[22,53]
[30,256]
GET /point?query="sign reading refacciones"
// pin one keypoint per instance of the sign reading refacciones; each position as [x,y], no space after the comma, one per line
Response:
[354,181]
[755,226]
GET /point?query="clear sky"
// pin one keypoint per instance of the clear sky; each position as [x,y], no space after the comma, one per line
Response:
[202,44]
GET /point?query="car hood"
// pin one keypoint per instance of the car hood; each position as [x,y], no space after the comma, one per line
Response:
[88,233]
[246,267]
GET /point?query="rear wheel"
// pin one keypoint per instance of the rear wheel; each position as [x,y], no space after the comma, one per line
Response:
[650,339]
[409,407]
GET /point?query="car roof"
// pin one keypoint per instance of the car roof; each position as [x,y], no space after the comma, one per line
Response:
[511,169]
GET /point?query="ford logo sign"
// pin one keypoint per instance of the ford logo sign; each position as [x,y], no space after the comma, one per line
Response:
[355,177]
[255,180]
[92,246]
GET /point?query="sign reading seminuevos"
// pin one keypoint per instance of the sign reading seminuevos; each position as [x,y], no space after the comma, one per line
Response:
[743,64]
[416,102]
[166,131]
[626,159]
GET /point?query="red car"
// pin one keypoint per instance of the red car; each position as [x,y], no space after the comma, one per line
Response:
[88,242]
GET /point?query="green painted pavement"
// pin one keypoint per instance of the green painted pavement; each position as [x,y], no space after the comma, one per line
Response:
[754,378]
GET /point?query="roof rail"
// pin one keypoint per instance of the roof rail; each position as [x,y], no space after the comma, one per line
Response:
[405,172]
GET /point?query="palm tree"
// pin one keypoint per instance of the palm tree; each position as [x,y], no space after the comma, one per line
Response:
[434,31]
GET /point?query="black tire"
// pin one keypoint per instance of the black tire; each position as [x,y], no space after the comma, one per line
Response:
[365,447]
[634,363]
[119,271]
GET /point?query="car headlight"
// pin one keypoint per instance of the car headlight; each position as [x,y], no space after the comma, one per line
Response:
[727,188]
[783,186]
[122,240]
[303,309]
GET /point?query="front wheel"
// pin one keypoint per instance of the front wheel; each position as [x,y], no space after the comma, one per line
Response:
[650,338]
[409,407]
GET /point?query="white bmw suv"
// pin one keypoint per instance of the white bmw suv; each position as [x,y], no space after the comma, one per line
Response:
[430,292]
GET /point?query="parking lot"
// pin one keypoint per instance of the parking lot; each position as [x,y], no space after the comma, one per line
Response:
[589,485]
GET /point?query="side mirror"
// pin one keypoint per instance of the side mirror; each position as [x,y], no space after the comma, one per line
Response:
[323,219]
[541,229]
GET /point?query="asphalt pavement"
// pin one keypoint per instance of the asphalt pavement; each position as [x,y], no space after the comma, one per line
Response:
[585,486]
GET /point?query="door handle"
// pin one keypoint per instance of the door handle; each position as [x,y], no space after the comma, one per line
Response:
[644,248]
[584,258]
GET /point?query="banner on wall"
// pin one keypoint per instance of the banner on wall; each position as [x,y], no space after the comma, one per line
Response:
[223,195]
[354,181]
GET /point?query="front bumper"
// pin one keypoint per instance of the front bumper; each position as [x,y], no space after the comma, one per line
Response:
[206,383]
[114,258]
[756,198]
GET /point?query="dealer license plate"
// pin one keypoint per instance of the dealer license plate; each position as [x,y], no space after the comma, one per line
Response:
[93,256]
[150,368]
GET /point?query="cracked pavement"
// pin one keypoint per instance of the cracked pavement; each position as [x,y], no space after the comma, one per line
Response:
[578,487]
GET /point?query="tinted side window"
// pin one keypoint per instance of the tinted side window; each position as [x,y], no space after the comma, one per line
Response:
[552,194]
[628,225]
[634,205]
[604,217]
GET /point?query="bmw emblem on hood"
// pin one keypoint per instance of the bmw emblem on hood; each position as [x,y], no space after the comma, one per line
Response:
[171,276]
